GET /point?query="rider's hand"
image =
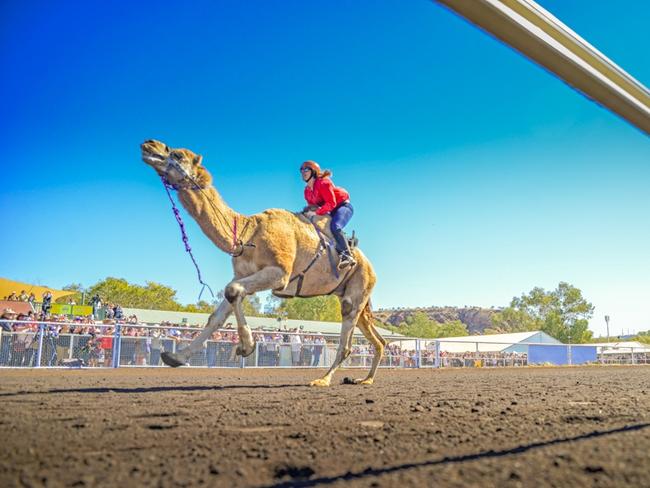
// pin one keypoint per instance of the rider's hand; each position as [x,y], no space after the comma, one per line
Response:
[310,214]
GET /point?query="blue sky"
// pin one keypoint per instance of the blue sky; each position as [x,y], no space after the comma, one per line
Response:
[475,174]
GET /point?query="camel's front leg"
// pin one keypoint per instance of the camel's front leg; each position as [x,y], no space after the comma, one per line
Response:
[215,321]
[268,278]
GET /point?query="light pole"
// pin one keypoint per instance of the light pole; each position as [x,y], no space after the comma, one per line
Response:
[607,322]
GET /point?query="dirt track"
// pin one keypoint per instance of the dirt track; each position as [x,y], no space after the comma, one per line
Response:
[506,427]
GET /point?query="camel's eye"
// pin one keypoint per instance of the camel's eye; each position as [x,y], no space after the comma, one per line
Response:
[176,156]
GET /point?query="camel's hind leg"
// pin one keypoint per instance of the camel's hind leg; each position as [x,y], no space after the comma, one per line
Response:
[353,302]
[344,350]
[367,326]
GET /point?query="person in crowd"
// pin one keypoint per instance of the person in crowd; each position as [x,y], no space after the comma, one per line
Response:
[317,348]
[117,312]
[155,346]
[13,297]
[108,312]
[96,303]
[50,352]
[91,350]
[6,336]
[296,347]
[234,341]
[212,349]
[142,351]
[31,299]
[46,306]
[107,345]
[23,297]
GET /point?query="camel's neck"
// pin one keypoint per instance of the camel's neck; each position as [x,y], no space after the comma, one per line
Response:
[213,215]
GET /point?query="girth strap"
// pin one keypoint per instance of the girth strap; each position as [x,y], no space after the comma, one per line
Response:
[301,276]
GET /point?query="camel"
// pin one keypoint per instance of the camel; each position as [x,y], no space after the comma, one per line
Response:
[275,250]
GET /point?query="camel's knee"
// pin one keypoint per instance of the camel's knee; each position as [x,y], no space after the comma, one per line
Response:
[233,292]
[345,353]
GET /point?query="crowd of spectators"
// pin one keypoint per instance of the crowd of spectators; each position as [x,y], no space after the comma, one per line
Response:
[22,297]
[91,341]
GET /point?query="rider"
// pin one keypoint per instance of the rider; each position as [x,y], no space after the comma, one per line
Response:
[325,198]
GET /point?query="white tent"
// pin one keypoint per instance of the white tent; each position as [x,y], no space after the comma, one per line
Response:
[483,343]
[622,347]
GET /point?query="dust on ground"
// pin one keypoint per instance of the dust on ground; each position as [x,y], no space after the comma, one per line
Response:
[587,426]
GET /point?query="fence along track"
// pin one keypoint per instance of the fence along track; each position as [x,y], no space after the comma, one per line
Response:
[42,344]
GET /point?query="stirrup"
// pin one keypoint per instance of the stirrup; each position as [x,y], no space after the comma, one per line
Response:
[346,260]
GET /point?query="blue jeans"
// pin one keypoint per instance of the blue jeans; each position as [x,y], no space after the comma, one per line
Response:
[340,218]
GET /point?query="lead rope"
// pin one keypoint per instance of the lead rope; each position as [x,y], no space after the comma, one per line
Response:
[188,249]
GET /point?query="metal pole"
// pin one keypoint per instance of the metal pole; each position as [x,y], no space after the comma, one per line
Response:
[116,346]
[437,356]
[39,352]
[607,322]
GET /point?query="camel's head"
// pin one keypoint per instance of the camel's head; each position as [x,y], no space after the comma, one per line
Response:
[180,167]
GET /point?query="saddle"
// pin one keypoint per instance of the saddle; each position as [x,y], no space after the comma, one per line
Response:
[326,246]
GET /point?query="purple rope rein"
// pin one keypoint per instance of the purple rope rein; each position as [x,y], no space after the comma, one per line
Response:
[188,249]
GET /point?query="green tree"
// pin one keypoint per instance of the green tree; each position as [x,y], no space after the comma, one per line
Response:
[325,308]
[153,295]
[77,296]
[199,307]
[562,313]
[252,306]
[452,329]
[511,319]
[420,325]
[644,337]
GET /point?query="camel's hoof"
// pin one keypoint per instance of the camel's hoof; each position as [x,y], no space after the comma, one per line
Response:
[243,352]
[171,359]
[320,382]
[358,381]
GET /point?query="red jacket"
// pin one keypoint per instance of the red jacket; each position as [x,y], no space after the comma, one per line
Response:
[325,195]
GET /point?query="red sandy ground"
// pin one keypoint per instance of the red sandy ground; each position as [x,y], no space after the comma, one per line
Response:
[187,427]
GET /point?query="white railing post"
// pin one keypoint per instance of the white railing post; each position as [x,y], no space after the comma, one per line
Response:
[116,346]
[437,354]
[39,352]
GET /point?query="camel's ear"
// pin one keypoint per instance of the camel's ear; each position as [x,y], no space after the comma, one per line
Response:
[197,160]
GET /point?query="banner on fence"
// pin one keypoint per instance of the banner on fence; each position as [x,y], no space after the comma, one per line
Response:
[67,309]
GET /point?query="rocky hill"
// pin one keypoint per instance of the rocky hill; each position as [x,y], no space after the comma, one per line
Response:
[476,319]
